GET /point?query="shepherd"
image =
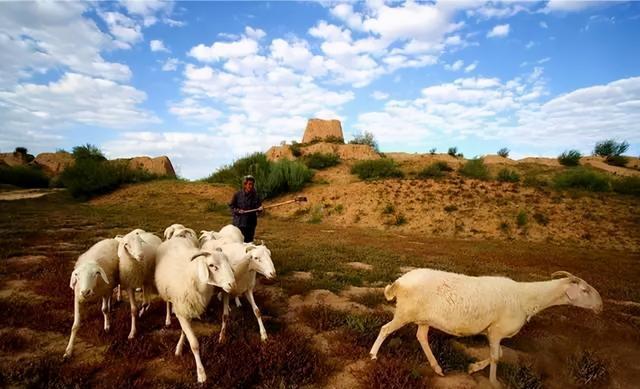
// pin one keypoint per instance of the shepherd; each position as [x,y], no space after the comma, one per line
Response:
[245,206]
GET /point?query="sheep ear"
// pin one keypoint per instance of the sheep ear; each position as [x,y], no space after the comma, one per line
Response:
[573,291]
[203,271]
[118,238]
[563,273]
[72,281]
[219,249]
[249,248]
[200,254]
[104,275]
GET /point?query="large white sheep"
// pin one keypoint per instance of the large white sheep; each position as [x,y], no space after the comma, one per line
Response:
[186,276]
[246,260]
[228,234]
[231,233]
[93,278]
[137,255]
[461,305]
[168,232]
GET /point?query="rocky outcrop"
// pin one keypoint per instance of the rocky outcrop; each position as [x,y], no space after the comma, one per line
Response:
[345,152]
[14,159]
[54,163]
[276,153]
[160,165]
[319,129]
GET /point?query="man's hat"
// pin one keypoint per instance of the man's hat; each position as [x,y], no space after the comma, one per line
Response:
[248,177]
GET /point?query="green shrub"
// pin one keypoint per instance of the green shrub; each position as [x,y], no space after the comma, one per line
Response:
[389,209]
[581,178]
[23,176]
[400,220]
[522,219]
[475,168]
[570,158]
[535,180]
[272,178]
[88,151]
[432,151]
[508,175]
[453,151]
[365,138]
[435,170]
[320,160]
[90,177]
[610,148]
[504,152]
[617,160]
[627,185]
[295,149]
[376,169]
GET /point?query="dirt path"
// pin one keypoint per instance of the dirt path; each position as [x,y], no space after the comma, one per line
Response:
[26,194]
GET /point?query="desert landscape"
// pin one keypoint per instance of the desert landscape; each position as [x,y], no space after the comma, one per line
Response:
[334,255]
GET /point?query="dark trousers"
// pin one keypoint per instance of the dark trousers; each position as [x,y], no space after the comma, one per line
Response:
[248,232]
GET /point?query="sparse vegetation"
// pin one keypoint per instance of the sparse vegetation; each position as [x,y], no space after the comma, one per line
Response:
[450,208]
[435,170]
[214,206]
[272,178]
[581,178]
[541,218]
[587,369]
[519,377]
[400,219]
[320,161]
[612,151]
[23,176]
[504,152]
[570,158]
[376,169]
[627,185]
[508,175]
[316,214]
[453,151]
[365,138]
[295,148]
[475,168]
[389,209]
[432,151]
[522,219]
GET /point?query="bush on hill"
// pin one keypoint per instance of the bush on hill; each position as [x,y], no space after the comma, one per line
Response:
[435,170]
[320,160]
[475,168]
[376,168]
[581,178]
[23,176]
[570,158]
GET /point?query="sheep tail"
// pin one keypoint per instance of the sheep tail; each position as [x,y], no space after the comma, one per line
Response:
[390,291]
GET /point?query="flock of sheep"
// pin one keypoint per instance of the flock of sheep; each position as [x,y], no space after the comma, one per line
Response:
[186,270]
[183,269]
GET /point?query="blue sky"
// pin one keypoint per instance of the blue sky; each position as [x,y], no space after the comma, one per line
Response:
[208,82]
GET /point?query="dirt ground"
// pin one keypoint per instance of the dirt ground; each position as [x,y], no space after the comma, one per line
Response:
[326,306]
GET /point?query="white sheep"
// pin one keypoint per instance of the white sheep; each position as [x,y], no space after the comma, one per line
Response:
[168,232]
[461,305]
[246,260]
[186,277]
[186,233]
[137,255]
[93,278]
[232,233]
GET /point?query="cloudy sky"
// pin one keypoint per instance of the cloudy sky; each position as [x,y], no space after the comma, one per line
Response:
[207,82]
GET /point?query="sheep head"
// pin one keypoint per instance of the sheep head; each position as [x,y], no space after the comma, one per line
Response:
[85,278]
[213,268]
[132,245]
[579,293]
[260,260]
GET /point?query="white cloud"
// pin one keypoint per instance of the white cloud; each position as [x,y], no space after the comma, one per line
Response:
[544,25]
[38,36]
[126,31]
[171,64]
[571,5]
[378,95]
[471,67]
[454,67]
[529,45]
[544,60]
[158,45]
[224,50]
[499,31]
[150,10]
[33,112]
[193,111]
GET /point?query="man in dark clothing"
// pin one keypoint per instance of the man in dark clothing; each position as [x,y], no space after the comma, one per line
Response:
[244,200]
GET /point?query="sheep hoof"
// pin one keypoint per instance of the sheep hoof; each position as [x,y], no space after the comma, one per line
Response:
[107,328]
[373,357]
[263,338]
[222,339]
[438,370]
[202,376]
[66,356]
[167,323]
[131,336]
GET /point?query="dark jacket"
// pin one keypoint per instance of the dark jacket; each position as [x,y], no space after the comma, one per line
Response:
[245,201]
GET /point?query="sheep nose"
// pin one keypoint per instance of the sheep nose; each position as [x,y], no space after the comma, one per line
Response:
[272,275]
[232,285]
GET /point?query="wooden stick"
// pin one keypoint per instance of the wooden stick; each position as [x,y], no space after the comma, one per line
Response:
[299,199]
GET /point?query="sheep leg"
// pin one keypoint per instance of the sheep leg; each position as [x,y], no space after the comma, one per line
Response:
[134,312]
[167,319]
[195,346]
[477,366]
[423,338]
[145,302]
[385,331]
[238,303]
[494,345]
[119,293]
[105,313]
[74,328]
[180,344]
[256,311]
[225,317]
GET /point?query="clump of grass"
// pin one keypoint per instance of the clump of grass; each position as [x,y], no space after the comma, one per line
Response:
[504,227]
[612,151]
[522,219]
[400,219]
[386,373]
[475,168]
[320,160]
[23,176]
[370,299]
[366,138]
[508,175]
[541,218]
[570,158]
[432,151]
[581,178]
[316,214]
[376,169]
[504,152]
[322,317]
[339,208]
[453,151]
[627,185]
[450,208]
[587,370]
[519,377]
[535,181]
[213,206]
[389,209]
[295,148]
[435,170]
